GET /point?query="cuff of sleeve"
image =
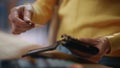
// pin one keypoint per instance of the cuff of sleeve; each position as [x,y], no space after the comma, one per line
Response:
[37,16]
[114,41]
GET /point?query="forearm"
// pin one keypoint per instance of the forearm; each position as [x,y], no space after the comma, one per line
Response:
[12,47]
[42,11]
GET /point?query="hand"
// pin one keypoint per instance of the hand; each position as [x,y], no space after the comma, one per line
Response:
[101,43]
[20,18]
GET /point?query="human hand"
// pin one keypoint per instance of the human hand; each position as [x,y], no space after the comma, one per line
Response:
[20,18]
[101,43]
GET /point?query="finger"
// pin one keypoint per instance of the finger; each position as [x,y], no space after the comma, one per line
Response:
[15,15]
[89,41]
[17,26]
[16,19]
[13,30]
[16,29]
[10,20]
[28,14]
[11,24]
[20,28]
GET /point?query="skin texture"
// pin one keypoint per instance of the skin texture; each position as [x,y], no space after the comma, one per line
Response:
[20,18]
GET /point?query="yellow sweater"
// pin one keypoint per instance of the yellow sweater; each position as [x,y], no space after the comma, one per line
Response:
[84,19]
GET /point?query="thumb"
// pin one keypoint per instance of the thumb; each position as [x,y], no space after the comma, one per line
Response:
[89,41]
[28,14]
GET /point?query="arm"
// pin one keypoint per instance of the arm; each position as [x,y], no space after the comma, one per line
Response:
[12,47]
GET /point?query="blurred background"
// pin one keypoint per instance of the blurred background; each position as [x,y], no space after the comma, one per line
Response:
[37,35]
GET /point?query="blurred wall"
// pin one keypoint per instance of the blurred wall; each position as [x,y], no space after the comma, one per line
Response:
[4,8]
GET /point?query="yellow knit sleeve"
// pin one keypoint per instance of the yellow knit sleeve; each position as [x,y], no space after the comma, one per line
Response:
[42,11]
[115,42]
